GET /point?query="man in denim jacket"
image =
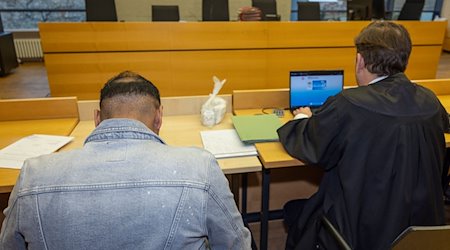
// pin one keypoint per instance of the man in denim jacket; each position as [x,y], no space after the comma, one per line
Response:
[125,189]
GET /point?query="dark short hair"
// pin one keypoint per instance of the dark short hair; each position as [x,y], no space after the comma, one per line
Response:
[385,47]
[129,83]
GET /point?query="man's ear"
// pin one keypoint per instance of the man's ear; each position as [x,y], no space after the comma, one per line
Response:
[360,63]
[157,122]
[97,118]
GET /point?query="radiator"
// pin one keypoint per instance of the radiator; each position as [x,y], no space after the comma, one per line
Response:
[28,49]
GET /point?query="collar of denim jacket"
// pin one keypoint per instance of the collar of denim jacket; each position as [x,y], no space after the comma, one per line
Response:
[122,128]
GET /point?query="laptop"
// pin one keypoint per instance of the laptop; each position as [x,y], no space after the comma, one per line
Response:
[312,88]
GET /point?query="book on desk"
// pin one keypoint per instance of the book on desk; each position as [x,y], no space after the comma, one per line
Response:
[257,128]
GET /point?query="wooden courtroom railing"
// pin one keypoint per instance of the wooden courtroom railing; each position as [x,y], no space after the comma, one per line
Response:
[439,86]
[180,58]
[38,108]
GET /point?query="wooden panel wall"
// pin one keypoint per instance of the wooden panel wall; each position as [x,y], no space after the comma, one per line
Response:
[181,58]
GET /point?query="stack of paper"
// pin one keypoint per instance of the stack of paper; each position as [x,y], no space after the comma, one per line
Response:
[14,155]
[257,128]
[226,143]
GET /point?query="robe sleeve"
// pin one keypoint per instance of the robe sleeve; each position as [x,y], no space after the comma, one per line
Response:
[313,140]
[445,121]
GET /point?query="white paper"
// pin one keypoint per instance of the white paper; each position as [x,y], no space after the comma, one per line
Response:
[226,143]
[14,155]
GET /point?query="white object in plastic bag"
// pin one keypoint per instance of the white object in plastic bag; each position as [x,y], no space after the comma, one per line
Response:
[213,110]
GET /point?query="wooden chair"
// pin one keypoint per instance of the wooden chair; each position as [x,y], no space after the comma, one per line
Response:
[308,11]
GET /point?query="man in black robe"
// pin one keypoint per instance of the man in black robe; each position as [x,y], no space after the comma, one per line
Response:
[381,146]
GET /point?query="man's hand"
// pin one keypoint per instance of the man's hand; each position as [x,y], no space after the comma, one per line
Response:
[303,110]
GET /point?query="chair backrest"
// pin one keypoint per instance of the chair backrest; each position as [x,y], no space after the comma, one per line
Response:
[358,11]
[378,10]
[268,9]
[1,24]
[165,13]
[411,10]
[215,10]
[101,10]
[332,230]
[308,11]
[423,237]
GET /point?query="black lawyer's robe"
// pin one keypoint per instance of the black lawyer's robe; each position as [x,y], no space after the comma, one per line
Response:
[382,147]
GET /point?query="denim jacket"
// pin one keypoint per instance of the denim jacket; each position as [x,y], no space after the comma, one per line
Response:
[125,189]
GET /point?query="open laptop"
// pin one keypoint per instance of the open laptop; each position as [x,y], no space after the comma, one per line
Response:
[312,88]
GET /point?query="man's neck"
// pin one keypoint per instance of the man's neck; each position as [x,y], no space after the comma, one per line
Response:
[368,78]
[379,78]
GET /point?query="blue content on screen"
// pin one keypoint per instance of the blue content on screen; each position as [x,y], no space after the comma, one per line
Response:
[314,90]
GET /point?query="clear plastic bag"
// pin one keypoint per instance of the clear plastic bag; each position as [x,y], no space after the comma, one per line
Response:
[214,109]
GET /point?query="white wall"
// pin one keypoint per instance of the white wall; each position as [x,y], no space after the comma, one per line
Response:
[190,10]
[445,12]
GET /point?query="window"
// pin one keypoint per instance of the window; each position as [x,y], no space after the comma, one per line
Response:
[329,9]
[427,13]
[337,9]
[25,14]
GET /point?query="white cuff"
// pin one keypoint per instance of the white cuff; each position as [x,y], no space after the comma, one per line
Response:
[300,116]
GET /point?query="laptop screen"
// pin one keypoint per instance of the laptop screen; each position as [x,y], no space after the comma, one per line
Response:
[312,88]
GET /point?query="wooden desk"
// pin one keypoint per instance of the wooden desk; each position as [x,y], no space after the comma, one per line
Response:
[11,131]
[8,179]
[183,130]
[42,119]
[180,58]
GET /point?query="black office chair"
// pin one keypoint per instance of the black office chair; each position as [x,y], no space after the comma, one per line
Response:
[332,230]
[215,10]
[165,13]
[378,10]
[357,11]
[424,237]
[268,9]
[413,237]
[100,10]
[308,11]
[1,24]
[8,57]
[411,10]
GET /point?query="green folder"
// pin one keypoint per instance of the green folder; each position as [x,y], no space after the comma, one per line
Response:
[257,128]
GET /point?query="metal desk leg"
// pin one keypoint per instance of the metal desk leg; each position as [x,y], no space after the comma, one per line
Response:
[265,208]
[234,186]
[244,179]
